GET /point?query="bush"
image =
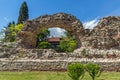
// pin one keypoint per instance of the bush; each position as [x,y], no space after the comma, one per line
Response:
[42,39]
[76,71]
[71,45]
[62,46]
[43,45]
[67,46]
[93,70]
[83,52]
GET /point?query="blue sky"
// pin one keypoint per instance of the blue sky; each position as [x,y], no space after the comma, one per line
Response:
[88,11]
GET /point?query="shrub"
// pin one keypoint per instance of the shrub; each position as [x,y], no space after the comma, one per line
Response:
[67,46]
[71,45]
[83,52]
[42,36]
[76,71]
[42,39]
[62,46]
[43,45]
[93,70]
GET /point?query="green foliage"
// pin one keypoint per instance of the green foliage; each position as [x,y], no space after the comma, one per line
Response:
[50,75]
[93,70]
[67,46]
[18,27]
[69,35]
[9,46]
[76,71]
[44,33]
[71,45]
[85,52]
[62,46]
[11,31]
[23,13]
[42,39]
[43,45]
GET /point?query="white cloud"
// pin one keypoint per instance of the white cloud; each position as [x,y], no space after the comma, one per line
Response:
[6,19]
[56,32]
[90,24]
[59,30]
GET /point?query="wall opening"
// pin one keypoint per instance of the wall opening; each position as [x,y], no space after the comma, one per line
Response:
[56,38]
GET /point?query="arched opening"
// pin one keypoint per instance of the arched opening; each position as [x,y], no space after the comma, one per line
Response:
[56,38]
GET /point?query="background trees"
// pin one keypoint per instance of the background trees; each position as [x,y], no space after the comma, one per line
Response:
[23,13]
[42,39]
[11,31]
[44,33]
[67,44]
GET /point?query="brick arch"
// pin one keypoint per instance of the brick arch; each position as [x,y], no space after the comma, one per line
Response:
[27,37]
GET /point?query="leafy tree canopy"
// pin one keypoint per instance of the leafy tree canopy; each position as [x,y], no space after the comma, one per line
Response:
[67,44]
[42,38]
[11,31]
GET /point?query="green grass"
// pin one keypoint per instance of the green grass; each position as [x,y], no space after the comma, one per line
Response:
[53,76]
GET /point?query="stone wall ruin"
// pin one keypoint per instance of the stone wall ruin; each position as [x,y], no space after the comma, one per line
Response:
[104,36]
[27,37]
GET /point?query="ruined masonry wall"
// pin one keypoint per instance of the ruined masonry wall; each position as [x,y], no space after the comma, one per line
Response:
[50,65]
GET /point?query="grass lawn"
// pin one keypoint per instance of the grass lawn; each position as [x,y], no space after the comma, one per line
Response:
[52,76]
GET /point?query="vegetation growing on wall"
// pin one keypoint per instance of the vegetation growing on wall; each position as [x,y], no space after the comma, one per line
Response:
[11,31]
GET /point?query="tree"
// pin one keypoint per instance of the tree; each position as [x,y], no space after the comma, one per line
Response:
[71,45]
[44,33]
[76,71]
[11,31]
[69,36]
[18,27]
[67,44]
[23,13]
[42,37]
[63,46]
[93,70]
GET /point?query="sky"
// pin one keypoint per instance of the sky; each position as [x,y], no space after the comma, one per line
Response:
[87,11]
